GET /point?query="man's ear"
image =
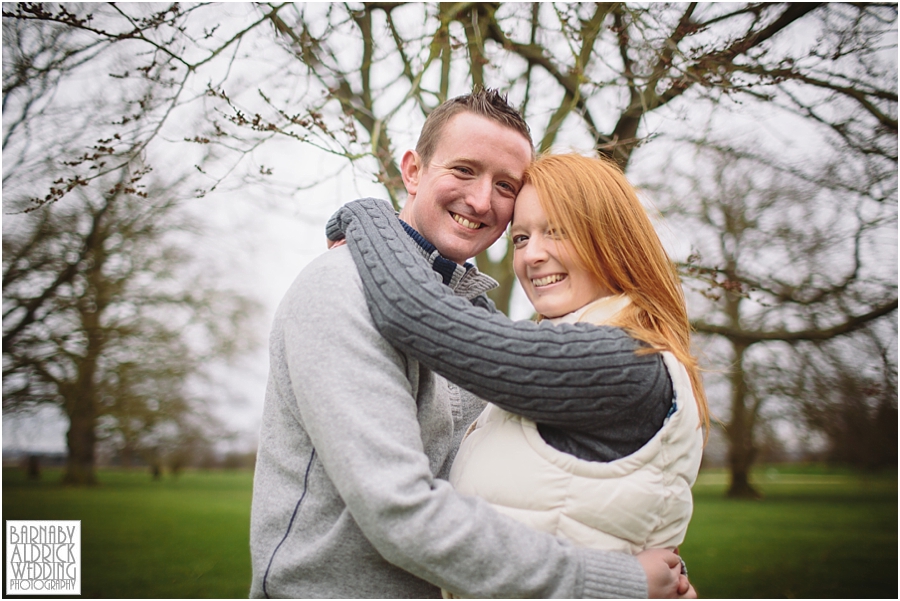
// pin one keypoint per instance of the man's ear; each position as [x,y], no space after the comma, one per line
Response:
[411,168]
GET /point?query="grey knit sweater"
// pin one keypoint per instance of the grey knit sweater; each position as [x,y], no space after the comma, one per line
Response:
[584,386]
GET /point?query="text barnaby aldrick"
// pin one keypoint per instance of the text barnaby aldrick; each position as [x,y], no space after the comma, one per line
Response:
[42,557]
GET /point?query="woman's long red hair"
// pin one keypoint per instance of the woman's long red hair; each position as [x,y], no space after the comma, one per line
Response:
[592,202]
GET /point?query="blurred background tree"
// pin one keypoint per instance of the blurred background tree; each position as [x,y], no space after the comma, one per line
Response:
[202,90]
[100,319]
[848,392]
[107,313]
[782,265]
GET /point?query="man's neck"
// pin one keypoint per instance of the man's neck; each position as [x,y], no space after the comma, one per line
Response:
[444,266]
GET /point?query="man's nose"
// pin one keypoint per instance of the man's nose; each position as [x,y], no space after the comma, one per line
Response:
[480,195]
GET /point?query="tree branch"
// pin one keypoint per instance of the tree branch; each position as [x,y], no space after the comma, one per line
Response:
[753,336]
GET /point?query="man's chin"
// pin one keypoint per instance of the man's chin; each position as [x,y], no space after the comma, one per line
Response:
[465,251]
[476,247]
[470,253]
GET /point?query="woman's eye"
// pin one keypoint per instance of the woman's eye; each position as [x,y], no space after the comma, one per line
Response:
[519,240]
[556,234]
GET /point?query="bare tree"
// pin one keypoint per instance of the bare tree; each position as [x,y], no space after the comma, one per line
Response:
[100,319]
[779,262]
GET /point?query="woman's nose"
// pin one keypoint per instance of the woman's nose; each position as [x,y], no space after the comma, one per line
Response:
[535,250]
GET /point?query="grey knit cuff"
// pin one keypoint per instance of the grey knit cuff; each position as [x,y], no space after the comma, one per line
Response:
[334,229]
[613,575]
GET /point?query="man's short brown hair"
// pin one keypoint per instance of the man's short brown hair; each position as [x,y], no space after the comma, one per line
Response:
[485,102]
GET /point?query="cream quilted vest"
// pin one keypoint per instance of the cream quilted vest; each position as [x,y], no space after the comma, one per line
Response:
[634,503]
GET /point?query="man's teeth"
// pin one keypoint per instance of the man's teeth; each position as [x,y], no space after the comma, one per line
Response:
[472,225]
[549,279]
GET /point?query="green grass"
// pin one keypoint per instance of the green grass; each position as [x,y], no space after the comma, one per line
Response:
[171,538]
[818,533]
[815,534]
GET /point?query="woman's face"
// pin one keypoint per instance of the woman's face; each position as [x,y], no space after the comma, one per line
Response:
[545,262]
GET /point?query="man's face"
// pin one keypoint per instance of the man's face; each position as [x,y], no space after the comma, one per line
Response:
[463,199]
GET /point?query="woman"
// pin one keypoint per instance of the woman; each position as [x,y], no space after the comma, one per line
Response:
[592,435]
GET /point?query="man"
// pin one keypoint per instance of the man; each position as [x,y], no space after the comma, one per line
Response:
[349,497]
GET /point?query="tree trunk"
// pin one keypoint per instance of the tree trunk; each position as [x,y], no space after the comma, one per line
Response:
[82,412]
[741,451]
[81,439]
[33,467]
[82,402]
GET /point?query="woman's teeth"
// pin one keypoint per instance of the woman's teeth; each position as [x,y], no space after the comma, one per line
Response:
[548,279]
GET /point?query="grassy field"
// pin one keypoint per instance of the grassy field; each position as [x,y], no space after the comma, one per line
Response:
[171,538]
[817,533]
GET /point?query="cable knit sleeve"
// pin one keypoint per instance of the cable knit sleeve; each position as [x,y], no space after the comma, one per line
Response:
[574,376]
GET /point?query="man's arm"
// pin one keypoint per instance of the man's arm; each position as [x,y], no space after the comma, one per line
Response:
[359,409]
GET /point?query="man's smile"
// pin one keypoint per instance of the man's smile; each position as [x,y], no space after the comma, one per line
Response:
[472,225]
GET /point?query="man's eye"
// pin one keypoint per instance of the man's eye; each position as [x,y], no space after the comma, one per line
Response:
[464,170]
[508,187]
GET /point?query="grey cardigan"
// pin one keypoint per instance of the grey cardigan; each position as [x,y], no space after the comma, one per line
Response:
[584,386]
